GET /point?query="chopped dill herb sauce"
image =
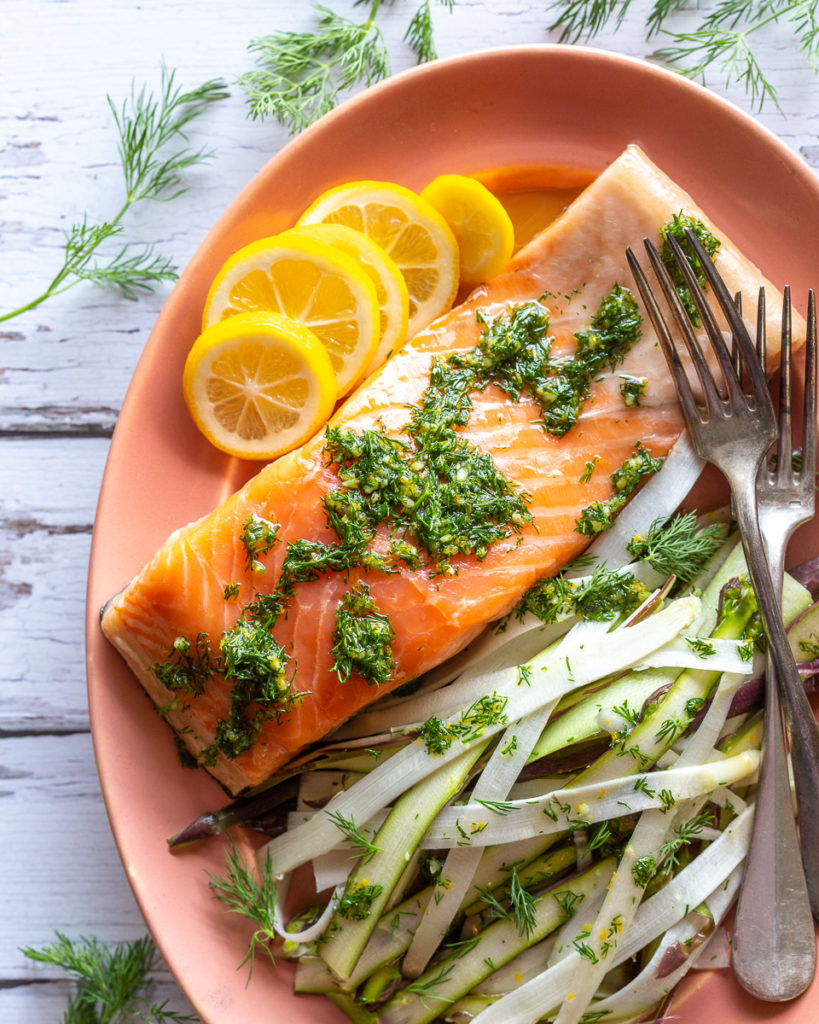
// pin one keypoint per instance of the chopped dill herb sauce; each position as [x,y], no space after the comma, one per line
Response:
[356,904]
[188,667]
[484,713]
[258,537]
[548,599]
[642,870]
[442,490]
[514,354]
[632,389]
[362,639]
[250,658]
[608,594]
[604,596]
[676,229]
[307,560]
[262,689]
[600,515]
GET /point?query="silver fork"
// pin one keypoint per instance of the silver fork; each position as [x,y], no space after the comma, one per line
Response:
[767,916]
[735,434]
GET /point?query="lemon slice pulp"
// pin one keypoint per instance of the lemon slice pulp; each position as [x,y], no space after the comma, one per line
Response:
[483,228]
[410,231]
[312,282]
[258,384]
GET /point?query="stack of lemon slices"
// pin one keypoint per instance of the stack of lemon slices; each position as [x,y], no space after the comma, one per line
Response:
[294,322]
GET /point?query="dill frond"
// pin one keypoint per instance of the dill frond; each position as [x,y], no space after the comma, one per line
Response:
[113,983]
[582,19]
[420,35]
[242,892]
[299,75]
[147,125]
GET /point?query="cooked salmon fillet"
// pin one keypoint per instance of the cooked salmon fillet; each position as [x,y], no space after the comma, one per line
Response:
[573,265]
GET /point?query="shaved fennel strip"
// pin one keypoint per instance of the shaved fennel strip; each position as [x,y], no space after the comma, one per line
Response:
[578,806]
[680,653]
[615,651]
[694,884]
[313,931]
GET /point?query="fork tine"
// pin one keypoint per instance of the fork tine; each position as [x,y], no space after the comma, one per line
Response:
[685,394]
[759,383]
[712,329]
[713,400]
[784,462]
[736,359]
[808,471]
[761,338]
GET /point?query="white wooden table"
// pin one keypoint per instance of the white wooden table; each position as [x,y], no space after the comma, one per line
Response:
[65,367]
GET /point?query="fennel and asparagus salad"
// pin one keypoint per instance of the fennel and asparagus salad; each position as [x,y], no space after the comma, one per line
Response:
[553,824]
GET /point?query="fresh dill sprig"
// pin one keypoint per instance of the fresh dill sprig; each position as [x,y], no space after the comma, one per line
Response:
[425,987]
[420,34]
[582,19]
[148,127]
[365,849]
[723,39]
[299,76]
[113,982]
[522,904]
[721,42]
[683,836]
[678,547]
[243,893]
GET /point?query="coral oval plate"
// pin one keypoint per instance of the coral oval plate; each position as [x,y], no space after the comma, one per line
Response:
[524,106]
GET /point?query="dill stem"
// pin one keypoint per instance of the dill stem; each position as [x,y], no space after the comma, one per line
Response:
[53,288]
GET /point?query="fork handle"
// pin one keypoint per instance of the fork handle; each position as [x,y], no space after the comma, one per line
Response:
[802,728]
[773,949]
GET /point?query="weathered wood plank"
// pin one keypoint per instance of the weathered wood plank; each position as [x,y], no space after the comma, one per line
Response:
[56,845]
[47,504]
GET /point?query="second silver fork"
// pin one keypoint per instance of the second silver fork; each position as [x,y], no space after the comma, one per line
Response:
[735,434]
[773,948]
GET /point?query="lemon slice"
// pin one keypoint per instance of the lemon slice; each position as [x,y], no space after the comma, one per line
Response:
[312,282]
[409,230]
[259,384]
[390,286]
[483,228]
